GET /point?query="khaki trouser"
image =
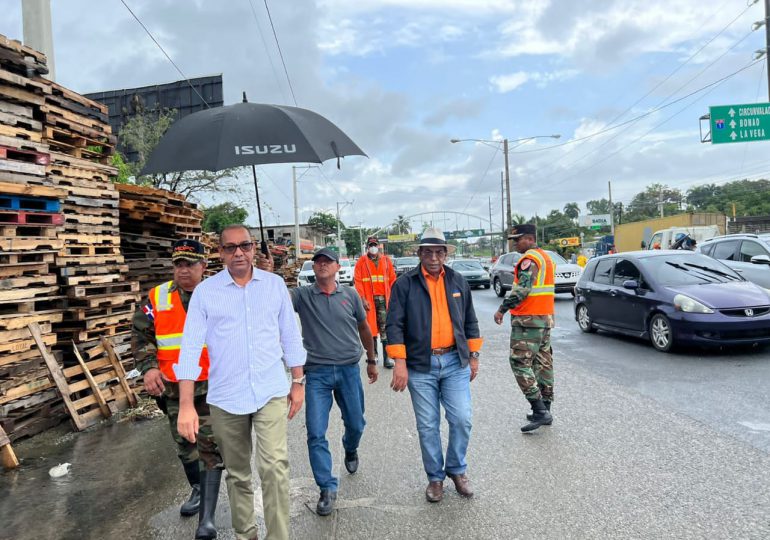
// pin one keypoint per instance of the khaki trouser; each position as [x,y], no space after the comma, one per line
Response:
[233,433]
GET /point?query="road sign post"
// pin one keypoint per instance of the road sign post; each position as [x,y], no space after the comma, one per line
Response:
[740,123]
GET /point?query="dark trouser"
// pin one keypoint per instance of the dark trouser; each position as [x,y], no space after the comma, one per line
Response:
[343,383]
[205,448]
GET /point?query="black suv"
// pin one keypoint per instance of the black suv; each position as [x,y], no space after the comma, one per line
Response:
[747,254]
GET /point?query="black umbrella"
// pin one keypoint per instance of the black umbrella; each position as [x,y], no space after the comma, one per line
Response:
[248,134]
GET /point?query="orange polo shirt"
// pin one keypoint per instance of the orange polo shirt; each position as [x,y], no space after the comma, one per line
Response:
[441,334]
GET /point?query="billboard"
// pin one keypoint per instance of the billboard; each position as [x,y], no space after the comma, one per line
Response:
[411,237]
[596,220]
[124,104]
[468,233]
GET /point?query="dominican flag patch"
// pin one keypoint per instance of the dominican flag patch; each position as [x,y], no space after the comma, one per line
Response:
[148,311]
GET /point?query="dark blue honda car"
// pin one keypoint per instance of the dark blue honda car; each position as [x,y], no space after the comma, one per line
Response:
[671,297]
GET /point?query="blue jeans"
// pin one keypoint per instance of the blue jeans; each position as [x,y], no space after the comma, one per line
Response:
[447,384]
[344,384]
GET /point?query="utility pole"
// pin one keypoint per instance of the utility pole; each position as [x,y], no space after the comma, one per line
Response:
[490,225]
[340,243]
[296,212]
[503,234]
[38,33]
[508,222]
[612,210]
[767,44]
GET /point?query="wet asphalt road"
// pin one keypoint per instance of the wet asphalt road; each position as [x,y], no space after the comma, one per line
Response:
[644,445]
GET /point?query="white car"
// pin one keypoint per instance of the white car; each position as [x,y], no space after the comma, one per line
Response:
[346,272]
[306,275]
[566,274]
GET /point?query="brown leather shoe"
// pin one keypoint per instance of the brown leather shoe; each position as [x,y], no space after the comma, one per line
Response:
[462,484]
[435,491]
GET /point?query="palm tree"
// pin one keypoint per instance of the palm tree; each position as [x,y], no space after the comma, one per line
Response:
[401,225]
[572,210]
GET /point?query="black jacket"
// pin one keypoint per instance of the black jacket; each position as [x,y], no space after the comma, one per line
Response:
[410,313]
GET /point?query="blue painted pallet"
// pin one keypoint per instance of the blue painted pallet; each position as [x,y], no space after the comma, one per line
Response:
[33,204]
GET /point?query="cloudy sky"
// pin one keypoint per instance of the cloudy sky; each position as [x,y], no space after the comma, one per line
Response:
[622,82]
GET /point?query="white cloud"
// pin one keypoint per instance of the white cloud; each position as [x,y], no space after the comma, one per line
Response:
[507,83]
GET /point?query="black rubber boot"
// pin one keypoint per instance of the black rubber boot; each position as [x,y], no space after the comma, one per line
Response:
[209,494]
[540,416]
[386,360]
[547,406]
[190,508]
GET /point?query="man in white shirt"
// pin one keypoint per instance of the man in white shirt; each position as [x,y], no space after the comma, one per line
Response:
[246,319]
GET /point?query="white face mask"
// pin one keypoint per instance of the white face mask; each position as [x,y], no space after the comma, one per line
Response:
[373,250]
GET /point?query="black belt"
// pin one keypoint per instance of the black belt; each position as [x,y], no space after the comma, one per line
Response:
[442,350]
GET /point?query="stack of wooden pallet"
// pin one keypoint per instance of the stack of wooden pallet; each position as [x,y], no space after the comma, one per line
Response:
[151,220]
[210,241]
[99,299]
[30,218]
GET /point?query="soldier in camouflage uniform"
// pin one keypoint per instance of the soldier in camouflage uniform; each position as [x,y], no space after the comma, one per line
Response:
[531,302]
[201,460]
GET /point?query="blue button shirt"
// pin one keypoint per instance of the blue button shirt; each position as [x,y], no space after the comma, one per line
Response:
[250,332]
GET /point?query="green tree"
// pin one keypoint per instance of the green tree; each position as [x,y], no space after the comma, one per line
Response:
[142,133]
[216,218]
[325,221]
[646,205]
[402,225]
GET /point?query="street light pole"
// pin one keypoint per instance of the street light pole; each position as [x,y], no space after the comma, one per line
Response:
[508,224]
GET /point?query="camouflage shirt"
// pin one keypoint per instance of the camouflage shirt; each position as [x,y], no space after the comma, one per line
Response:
[518,293]
[143,342]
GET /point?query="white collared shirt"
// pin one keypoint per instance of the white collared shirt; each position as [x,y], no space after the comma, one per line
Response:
[250,332]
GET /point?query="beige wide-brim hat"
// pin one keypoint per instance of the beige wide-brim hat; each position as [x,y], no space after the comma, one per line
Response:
[435,237]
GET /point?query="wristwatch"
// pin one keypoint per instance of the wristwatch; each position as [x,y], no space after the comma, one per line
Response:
[373,361]
[475,355]
[301,381]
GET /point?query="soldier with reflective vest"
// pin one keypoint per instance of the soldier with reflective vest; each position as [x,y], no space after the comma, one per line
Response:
[156,342]
[373,277]
[531,305]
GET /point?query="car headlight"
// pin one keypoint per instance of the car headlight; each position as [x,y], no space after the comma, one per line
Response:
[485,275]
[688,305]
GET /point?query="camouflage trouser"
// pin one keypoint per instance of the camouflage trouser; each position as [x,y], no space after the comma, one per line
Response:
[381,311]
[204,449]
[532,361]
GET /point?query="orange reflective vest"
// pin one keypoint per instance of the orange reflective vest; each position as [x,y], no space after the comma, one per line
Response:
[365,276]
[169,316]
[540,300]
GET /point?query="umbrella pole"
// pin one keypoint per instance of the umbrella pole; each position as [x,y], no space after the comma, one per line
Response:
[263,244]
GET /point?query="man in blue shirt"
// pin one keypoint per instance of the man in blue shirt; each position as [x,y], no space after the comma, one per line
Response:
[245,318]
[334,327]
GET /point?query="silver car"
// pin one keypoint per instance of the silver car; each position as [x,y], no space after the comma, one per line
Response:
[747,254]
[566,274]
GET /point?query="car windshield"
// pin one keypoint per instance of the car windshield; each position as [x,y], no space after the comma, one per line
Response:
[307,265]
[407,261]
[467,265]
[345,263]
[673,270]
[556,258]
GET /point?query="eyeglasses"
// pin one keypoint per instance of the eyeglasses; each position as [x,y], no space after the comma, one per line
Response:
[246,247]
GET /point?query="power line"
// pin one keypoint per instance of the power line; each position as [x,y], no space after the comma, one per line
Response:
[165,54]
[483,177]
[643,115]
[267,51]
[280,53]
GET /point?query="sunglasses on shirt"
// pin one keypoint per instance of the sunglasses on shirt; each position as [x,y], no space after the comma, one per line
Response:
[245,247]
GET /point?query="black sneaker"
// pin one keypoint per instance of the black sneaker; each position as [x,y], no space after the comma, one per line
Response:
[351,462]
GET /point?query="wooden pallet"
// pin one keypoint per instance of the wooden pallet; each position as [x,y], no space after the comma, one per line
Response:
[30,243]
[21,50]
[95,290]
[15,109]
[20,257]
[23,269]
[87,250]
[80,335]
[17,231]
[20,121]
[25,217]
[80,260]
[32,191]
[31,305]
[20,133]
[7,456]
[92,271]
[24,282]
[78,219]
[92,390]
[15,322]
[20,167]
[53,112]
[20,96]
[58,90]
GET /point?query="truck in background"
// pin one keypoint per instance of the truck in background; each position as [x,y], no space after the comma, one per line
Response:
[630,236]
[666,238]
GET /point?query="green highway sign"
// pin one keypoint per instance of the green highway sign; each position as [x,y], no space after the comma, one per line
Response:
[740,123]
[457,235]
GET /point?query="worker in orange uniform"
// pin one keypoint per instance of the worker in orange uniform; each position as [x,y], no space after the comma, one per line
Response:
[374,276]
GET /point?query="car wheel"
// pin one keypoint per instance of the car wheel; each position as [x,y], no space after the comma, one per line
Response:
[499,288]
[661,333]
[486,285]
[584,319]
